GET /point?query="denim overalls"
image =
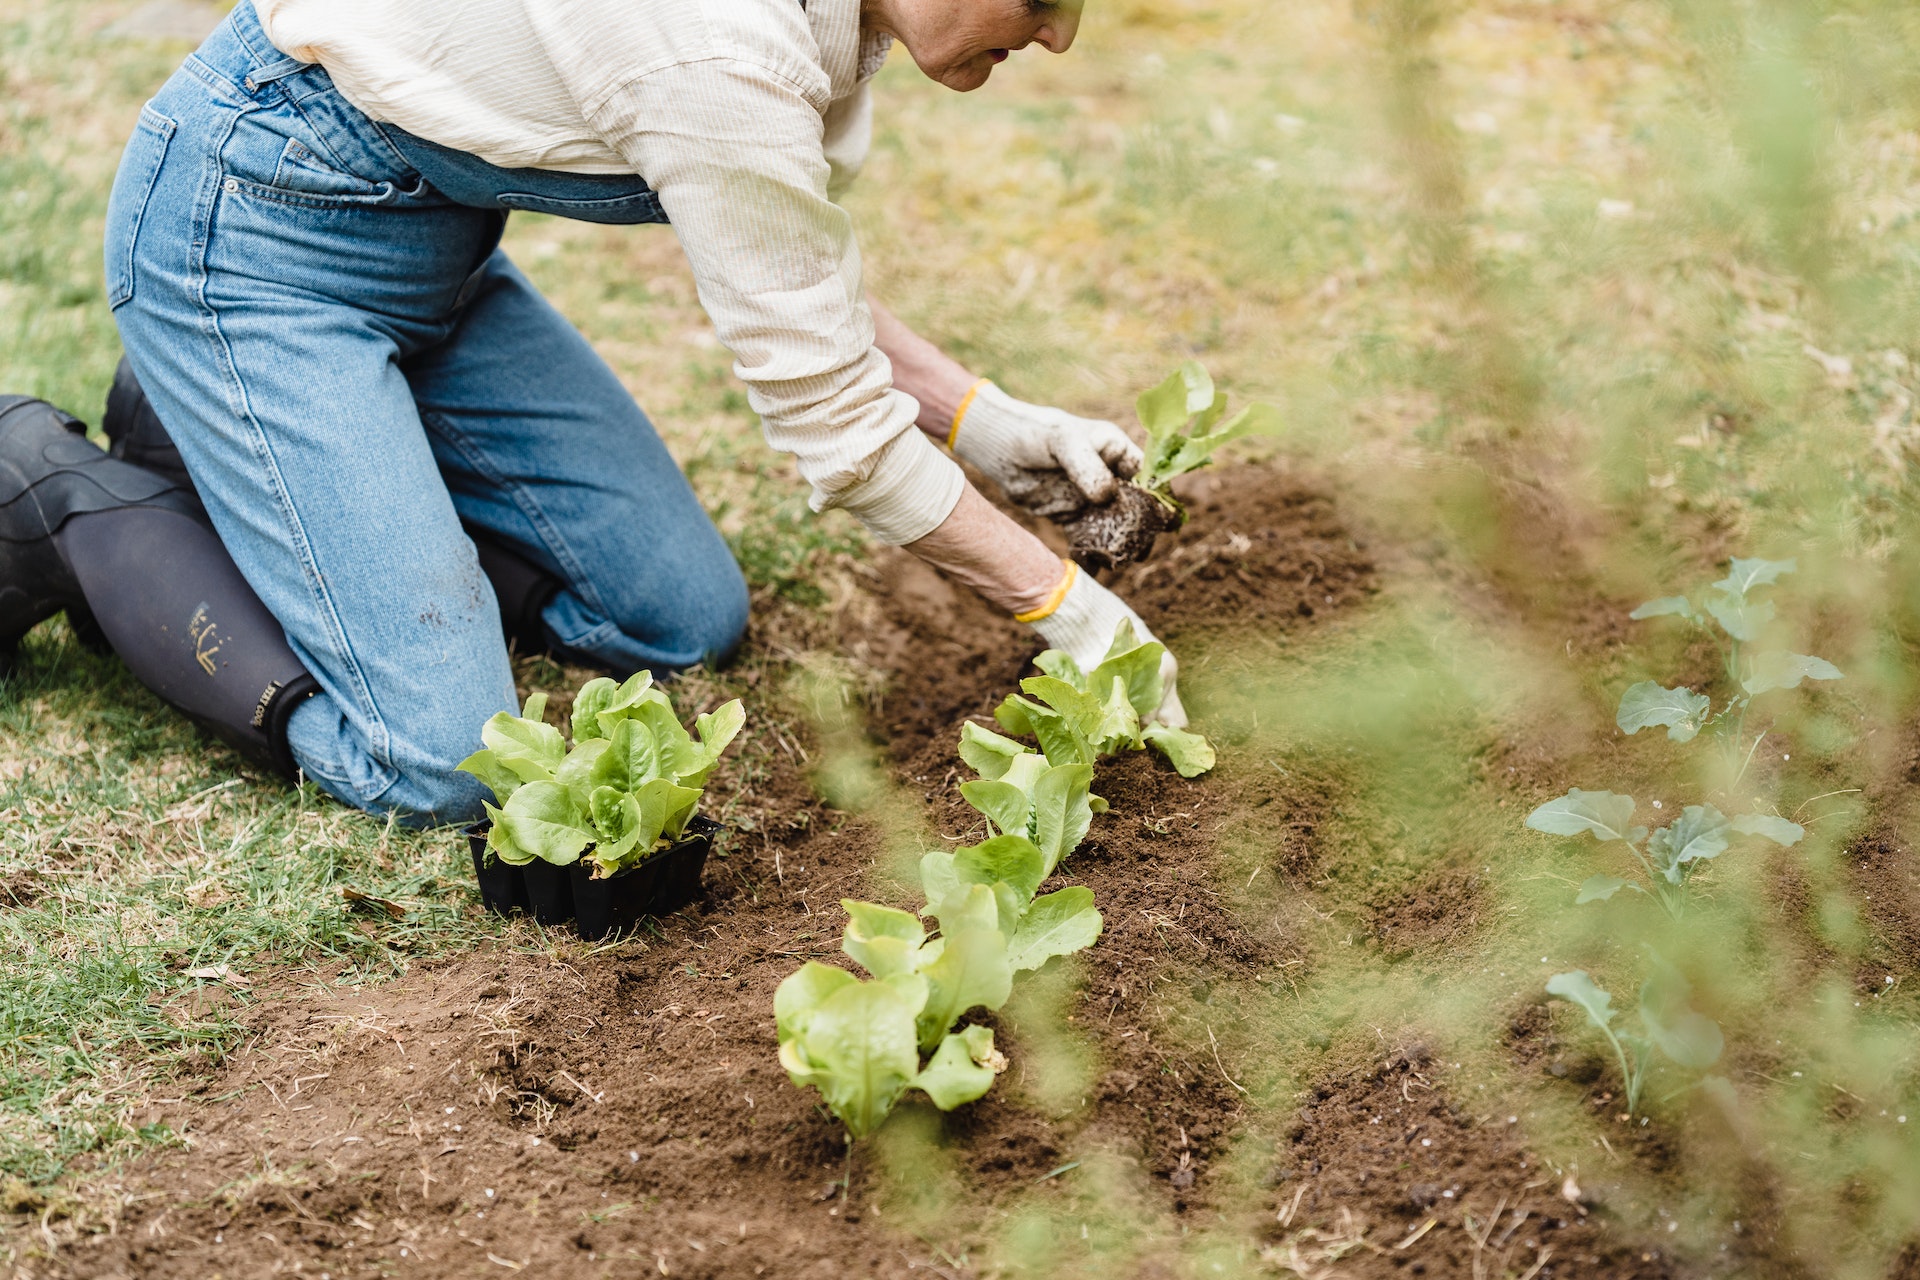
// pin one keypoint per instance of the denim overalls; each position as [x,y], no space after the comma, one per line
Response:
[319,311]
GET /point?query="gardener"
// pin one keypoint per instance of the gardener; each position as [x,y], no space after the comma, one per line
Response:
[408,458]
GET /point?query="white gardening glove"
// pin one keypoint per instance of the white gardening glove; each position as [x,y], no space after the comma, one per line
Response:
[1081,624]
[1029,450]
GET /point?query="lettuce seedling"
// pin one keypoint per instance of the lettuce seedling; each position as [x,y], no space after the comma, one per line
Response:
[1186,422]
[628,785]
[1735,620]
[1078,717]
[1669,1025]
[856,1042]
[1051,805]
[862,1053]
[1667,858]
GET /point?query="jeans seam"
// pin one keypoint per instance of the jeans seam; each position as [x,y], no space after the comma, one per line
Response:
[523,499]
[380,746]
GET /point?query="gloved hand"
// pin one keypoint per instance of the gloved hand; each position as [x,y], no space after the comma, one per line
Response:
[1046,460]
[1081,624]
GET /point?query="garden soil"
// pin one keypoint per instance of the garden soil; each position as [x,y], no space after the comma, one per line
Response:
[575,1112]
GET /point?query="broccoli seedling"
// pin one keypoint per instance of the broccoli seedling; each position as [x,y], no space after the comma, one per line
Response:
[1668,857]
[1668,1024]
[1734,620]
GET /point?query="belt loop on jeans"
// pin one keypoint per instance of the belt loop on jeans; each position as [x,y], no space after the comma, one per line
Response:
[275,71]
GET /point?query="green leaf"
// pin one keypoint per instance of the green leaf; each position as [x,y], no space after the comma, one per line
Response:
[577,772]
[1665,606]
[882,940]
[497,778]
[595,696]
[1119,724]
[609,706]
[938,879]
[1579,989]
[500,844]
[1003,803]
[617,824]
[1138,668]
[679,755]
[1060,742]
[1062,812]
[1056,924]
[959,1070]
[1781,670]
[1681,710]
[664,809]
[1745,575]
[1604,814]
[1700,832]
[1599,889]
[530,749]
[1164,409]
[856,1047]
[1199,447]
[1013,859]
[1689,1038]
[987,753]
[1742,620]
[717,730]
[1190,754]
[1013,714]
[1768,827]
[971,972]
[535,707]
[628,760]
[543,820]
[803,991]
[1060,665]
[970,906]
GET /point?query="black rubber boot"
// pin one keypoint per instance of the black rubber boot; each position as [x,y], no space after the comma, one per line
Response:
[49,473]
[103,538]
[134,432]
[522,587]
[172,603]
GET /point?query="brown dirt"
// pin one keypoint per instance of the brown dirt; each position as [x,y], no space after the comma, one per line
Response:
[1380,1153]
[545,1106]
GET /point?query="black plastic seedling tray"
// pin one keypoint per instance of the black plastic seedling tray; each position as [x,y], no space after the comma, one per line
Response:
[559,895]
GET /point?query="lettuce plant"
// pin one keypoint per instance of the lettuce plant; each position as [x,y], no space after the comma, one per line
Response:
[1669,1025]
[1079,716]
[1667,858]
[1729,613]
[628,785]
[861,1042]
[1186,421]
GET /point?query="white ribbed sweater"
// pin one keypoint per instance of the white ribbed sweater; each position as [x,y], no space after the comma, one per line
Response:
[746,117]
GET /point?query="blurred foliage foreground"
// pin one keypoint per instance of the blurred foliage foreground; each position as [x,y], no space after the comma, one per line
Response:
[1576,300]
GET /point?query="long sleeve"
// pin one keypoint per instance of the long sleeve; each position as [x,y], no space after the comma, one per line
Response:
[735,152]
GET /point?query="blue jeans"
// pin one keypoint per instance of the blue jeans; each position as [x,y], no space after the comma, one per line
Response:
[351,367]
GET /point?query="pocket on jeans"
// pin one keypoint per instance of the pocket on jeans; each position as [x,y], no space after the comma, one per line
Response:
[132,192]
[302,172]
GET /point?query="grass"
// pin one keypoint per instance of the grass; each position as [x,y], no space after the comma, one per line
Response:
[1647,274]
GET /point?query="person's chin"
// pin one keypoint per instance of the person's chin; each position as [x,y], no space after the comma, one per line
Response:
[968,76]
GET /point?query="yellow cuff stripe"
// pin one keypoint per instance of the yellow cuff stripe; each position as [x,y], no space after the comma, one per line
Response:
[1053,601]
[966,402]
